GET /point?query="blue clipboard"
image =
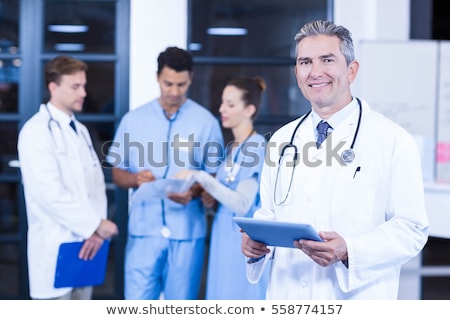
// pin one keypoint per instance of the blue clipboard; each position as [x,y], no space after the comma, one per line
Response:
[72,271]
[276,233]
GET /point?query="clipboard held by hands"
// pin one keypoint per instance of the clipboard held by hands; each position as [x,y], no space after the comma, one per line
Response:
[72,271]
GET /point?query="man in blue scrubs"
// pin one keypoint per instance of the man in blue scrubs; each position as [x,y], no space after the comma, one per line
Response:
[166,237]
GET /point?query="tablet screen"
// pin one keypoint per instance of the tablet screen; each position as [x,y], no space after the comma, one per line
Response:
[276,233]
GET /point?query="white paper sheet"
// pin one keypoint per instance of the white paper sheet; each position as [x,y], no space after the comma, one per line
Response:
[160,188]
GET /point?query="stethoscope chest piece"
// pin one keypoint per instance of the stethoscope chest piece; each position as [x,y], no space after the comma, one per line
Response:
[165,232]
[230,178]
[348,155]
[232,172]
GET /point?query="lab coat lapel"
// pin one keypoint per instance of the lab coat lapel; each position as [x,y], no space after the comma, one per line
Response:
[345,131]
[305,137]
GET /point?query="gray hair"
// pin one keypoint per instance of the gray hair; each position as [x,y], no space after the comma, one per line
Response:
[328,28]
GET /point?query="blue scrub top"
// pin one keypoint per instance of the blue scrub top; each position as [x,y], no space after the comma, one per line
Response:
[250,158]
[227,266]
[146,139]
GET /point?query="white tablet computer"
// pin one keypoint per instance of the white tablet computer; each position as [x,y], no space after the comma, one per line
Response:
[276,233]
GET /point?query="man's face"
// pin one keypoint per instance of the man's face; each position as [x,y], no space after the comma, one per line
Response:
[69,94]
[174,86]
[322,72]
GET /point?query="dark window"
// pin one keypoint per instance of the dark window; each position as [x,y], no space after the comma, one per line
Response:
[80,26]
[9,58]
[31,33]
[260,42]
[9,270]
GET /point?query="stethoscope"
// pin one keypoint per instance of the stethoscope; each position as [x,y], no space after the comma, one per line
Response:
[231,176]
[232,172]
[347,155]
[165,230]
[60,141]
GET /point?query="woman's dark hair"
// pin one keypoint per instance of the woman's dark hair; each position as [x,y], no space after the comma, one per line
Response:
[252,88]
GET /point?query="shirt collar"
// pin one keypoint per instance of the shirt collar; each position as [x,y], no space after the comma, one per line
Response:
[336,119]
[59,115]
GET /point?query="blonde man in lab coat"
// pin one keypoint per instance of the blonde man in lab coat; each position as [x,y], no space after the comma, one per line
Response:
[63,181]
[361,188]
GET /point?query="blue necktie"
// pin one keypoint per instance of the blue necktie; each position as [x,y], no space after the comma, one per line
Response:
[322,131]
[72,124]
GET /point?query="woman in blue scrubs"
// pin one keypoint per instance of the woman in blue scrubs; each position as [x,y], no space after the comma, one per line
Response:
[236,189]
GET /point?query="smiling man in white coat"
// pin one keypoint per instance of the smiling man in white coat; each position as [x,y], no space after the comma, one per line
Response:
[357,180]
[63,181]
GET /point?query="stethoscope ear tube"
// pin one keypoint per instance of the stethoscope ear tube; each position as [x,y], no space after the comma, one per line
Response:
[347,156]
[60,140]
[283,152]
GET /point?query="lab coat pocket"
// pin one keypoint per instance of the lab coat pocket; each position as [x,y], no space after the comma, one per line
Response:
[354,201]
[70,170]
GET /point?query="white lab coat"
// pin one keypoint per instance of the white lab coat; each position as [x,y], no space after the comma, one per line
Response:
[380,211]
[64,192]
